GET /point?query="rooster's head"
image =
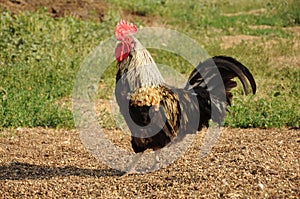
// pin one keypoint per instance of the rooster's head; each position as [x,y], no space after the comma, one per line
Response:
[135,63]
[123,32]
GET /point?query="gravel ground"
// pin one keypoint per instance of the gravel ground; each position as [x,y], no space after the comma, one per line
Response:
[245,163]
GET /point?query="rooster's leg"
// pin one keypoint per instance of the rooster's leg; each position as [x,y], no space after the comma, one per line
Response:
[156,164]
[131,168]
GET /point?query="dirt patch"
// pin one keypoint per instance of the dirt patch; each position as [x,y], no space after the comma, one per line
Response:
[295,30]
[277,61]
[255,12]
[260,27]
[281,62]
[83,9]
[231,41]
[253,163]
[147,20]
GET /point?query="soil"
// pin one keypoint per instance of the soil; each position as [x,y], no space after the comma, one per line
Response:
[53,163]
[245,163]
[83,9]
[251,12]
[230,41]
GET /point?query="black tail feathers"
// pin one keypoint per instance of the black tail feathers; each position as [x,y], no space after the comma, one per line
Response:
[212,81]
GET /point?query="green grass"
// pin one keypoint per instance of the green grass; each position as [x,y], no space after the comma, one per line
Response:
[39,61]
[40,56]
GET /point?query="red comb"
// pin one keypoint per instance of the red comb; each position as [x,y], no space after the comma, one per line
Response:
[124,28]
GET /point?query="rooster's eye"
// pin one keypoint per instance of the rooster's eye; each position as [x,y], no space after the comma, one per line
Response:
[128,40]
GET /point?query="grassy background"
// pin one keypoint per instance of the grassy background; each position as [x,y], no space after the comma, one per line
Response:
[40,56]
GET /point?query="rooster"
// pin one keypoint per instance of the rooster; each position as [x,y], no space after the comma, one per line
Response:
[157,113]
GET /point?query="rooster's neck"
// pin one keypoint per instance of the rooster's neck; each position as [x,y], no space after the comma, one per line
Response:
[139,70]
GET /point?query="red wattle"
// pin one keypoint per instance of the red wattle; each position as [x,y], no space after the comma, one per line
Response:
[122,51]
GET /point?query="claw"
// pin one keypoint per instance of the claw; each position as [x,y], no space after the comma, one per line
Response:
[130,172]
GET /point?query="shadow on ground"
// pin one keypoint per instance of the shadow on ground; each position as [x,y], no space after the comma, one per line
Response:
[19,170]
